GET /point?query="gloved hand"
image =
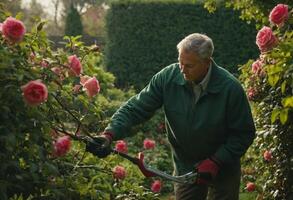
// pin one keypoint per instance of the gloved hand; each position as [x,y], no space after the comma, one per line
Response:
[100,145]
[208,170]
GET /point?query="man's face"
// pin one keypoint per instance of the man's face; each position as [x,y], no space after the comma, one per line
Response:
[192,66]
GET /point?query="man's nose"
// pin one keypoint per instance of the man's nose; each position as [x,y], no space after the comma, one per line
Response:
[182,68]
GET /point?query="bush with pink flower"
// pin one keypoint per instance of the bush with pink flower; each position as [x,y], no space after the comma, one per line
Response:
[43,104]
[269,84]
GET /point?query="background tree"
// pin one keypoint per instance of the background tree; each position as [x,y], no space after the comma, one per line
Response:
[13,6]
[73,24]
[32,12]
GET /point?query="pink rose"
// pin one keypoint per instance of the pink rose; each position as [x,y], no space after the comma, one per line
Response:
[59,73]
[32,56]
[83,79]
[121,146]
[74,65]
[279,14]
[62,146]
[56,70]
[54,133]
[250,187]
[149,144]
[13,29]
[265,39]
[161,126]
[119,172]
[1,27]
[76,88]
[44,63]
[251,93]
[256,67]
[92,87]
[34,92]
[156,186]
[267,155]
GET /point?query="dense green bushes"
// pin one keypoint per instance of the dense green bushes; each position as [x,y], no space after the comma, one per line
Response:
[45,96]
[269,83]
[142,37]
[73,24]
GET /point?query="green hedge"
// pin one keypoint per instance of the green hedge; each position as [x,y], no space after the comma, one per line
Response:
[142,37]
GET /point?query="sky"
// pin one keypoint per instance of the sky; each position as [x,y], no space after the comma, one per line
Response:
[47,5]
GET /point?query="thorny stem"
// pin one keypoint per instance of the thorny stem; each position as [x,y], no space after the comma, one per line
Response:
[65,108]
[79,161]
[88,167]
[79,124]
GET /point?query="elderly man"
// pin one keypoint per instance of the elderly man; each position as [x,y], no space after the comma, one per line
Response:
[208,120]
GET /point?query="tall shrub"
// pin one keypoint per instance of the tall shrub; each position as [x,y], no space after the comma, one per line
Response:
[73,24]
[142,37]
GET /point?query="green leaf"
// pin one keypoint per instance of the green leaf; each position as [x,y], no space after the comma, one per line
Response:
[275,69]
[283,87]
[275,115]
[273,79]
[284,115]
[287,102]
[19,15]
[40,26]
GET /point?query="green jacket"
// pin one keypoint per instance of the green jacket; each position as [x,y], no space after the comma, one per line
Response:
[219,124]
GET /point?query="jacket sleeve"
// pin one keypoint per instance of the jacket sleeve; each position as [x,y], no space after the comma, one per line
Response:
[240,127]
[137,109]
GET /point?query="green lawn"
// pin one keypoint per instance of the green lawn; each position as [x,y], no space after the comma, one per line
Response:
[243,196]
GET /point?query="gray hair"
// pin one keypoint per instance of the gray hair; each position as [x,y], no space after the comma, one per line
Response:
[198,43]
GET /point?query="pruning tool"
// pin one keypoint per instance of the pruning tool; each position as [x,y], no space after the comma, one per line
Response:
[147,171]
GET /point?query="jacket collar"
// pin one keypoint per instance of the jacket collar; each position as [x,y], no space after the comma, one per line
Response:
[215,83]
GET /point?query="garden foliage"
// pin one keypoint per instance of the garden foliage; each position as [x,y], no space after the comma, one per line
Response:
[73,23]
[46,98]
[268,80]
[142,37]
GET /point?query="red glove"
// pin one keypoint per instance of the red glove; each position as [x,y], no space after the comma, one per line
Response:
[207,170]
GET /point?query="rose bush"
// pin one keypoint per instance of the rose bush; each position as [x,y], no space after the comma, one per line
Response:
[270,92]
[268,81]
[41,108]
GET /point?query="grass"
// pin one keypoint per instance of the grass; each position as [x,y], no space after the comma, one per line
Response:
[242,196]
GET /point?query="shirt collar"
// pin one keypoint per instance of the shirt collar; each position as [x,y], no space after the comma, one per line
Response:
[204,83]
